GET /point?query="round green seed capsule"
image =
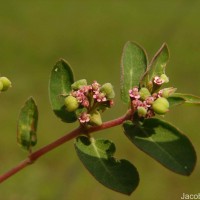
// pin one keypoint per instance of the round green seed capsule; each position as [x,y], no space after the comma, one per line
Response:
[164,78]
[160,106]
[71,103]
[142,111]
[6,83]
[144,93]
[78,84]
[166,92]
[107,88]
[95,118]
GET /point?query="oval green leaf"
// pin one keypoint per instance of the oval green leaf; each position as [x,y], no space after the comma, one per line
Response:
[60,83]
[27,125]
[133,66]
[188,98]
[97,156]
[175,101]
[164,143]
[157,64]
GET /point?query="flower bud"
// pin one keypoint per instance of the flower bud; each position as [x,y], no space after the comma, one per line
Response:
[164,78]
[6,83]
[107,89]
[78,84]
[150,85]
[144,93]
[141,111]
[95,118]
[71,103]
[160,106]
[166,92]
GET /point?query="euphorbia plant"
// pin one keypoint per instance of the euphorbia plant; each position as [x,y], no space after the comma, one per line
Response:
[143,89]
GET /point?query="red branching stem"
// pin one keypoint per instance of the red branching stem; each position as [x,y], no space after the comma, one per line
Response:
[73,134]
[16,169]
[35,155]
[111,123]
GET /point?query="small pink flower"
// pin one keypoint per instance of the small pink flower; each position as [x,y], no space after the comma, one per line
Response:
[84,118]
[158,81]
[85,89]
[142,104]
[134,104]
[134,93]
[149,101]
[80,96]
[137,103]
[160,93]
[95,86]
[85,103]
[99,96]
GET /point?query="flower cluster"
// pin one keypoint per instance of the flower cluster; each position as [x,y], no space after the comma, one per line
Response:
[88,100]
[148,103]
[141,105]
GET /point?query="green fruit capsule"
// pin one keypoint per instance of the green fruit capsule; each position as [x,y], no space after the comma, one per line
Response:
[166,92]
[107,88]
[95,118]
[141,111]
[78,84]
[6,83]
[160,106]
[71,103]
[144,93]
[164,78]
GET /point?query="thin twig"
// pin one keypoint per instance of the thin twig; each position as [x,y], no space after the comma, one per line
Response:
[73,134]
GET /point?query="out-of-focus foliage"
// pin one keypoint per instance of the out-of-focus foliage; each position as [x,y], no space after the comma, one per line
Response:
[90,35]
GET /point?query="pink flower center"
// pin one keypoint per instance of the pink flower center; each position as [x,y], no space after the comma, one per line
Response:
[99,96]
[95,86]
[158,81]
[134,93]
[84,118]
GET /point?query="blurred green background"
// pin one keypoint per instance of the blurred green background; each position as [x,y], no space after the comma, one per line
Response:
[90,35]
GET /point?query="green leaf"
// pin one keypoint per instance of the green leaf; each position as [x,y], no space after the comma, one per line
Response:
[157,64]
[97,156]
[188,98]
[60,83]
[175,101]
[133,65]
[27,125]
[164,143]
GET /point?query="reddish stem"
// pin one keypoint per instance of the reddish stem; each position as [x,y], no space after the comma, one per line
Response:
[73,134]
